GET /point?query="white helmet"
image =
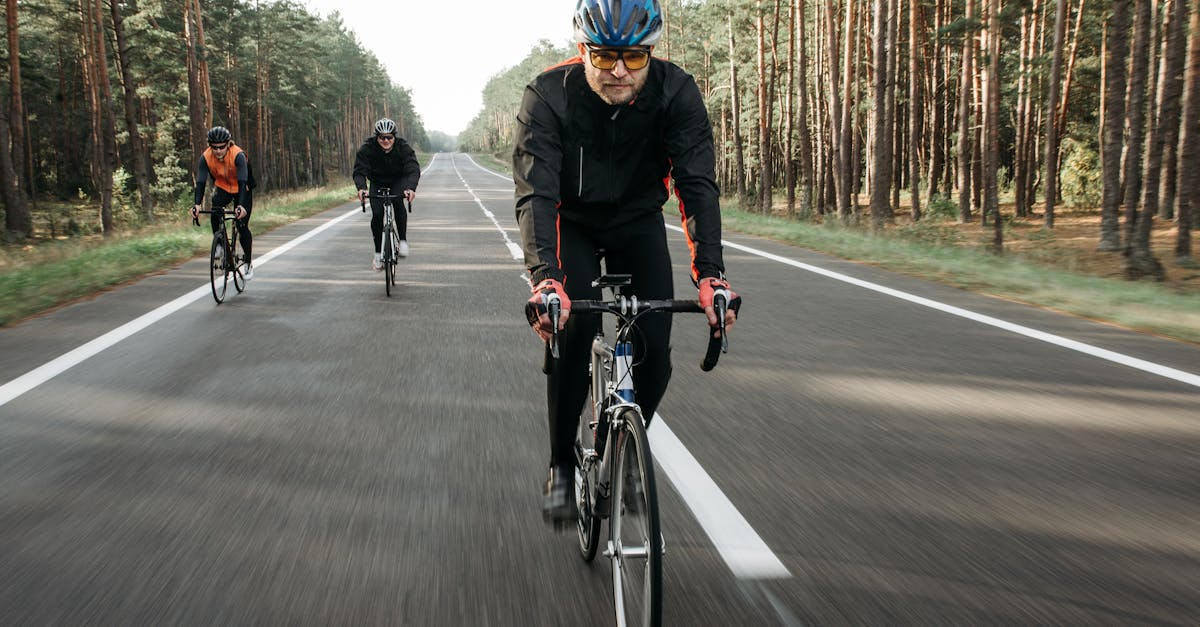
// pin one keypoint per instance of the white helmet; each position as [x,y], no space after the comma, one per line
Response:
[385,126]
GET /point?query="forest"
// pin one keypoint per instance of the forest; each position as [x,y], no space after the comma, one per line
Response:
[109,101]
[864,111]
[857,111]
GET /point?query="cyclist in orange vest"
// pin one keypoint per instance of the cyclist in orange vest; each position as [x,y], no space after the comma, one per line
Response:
[229,168]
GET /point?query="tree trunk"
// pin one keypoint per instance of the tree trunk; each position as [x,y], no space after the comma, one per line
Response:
[198,111]
[1189,144]
[140,156]
[1141,261]
[1117,43]
[739,167]
[789,163]
[1136,115]
[837,150]
[965,128]
[916,106]
[806,157]
[881,179]
[1051,159]
[18,223]
[23,161]
[103,130]
[991,126]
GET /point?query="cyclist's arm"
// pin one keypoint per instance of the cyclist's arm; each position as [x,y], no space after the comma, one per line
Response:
[243,177]
[537,162]
[202,175]
[410,174]
[693,167]
[362,168]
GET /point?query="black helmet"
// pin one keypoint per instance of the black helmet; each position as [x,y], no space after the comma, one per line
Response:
[385,126]
[218,135]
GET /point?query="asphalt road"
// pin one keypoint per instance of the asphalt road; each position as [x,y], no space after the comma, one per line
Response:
[873,450]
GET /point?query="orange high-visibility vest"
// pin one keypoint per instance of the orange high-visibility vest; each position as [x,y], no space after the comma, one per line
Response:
[224,172]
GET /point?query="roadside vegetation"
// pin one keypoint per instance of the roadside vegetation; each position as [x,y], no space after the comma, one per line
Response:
[37,275]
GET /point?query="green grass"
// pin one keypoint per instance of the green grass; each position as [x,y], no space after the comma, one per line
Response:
[34,279]
[1144,306]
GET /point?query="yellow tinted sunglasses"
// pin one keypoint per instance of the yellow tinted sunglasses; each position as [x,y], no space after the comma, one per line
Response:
[606,58]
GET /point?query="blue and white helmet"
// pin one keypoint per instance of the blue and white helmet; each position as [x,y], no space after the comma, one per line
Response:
[618,23]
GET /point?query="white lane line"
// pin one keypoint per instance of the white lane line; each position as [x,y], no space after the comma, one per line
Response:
[1050,338]
[61,364]
[514,249]
[741,548]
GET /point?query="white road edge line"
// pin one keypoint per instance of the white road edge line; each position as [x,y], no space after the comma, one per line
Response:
[743,550]
[513,248]
[61,364]
[1050,338]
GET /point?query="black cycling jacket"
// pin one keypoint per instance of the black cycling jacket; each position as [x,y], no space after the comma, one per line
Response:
[397,169]
[580,159]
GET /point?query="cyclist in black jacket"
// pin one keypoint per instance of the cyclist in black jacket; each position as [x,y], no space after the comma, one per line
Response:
[598,138]
[387,161]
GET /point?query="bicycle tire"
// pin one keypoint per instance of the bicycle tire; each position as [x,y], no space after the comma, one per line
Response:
[587,526]
[216,267]
[388,268]
[635,536]
[395,254]
[239,281]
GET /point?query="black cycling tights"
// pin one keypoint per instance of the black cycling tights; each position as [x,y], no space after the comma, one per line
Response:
[638,248]
[399,215]
[223,199]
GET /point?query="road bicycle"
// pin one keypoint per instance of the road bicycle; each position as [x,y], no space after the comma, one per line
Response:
[390,244]
[614,472]
[225,257]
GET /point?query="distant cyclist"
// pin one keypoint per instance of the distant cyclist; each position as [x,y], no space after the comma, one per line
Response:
[229,168]
[388,162]
[597,138]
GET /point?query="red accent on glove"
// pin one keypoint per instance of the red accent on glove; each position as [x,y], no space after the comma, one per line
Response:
[708,285]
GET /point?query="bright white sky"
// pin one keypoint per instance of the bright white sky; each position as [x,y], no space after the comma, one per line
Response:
[445,51]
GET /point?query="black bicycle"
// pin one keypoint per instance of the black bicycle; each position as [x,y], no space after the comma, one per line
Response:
[225,258]
[390,245]
[614,472]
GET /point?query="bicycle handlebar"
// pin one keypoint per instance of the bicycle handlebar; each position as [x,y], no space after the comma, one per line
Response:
[229,215]
[363,200]
[628,308]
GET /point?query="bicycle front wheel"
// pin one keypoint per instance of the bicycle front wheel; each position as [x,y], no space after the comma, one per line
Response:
[216,268]
[388,269]
[239,280]
[635,539]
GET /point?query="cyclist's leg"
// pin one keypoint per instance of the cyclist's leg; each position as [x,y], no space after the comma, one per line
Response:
[221,200]
[376,219]
[243,227]
[640,248]
[567,384]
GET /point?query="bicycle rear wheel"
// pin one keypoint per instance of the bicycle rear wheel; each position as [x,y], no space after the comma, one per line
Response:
[588,524]
[635,538]
[216,267]
[389,270]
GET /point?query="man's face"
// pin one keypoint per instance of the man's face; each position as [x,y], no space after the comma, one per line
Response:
[618,84]
[386,142]
[220,150]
